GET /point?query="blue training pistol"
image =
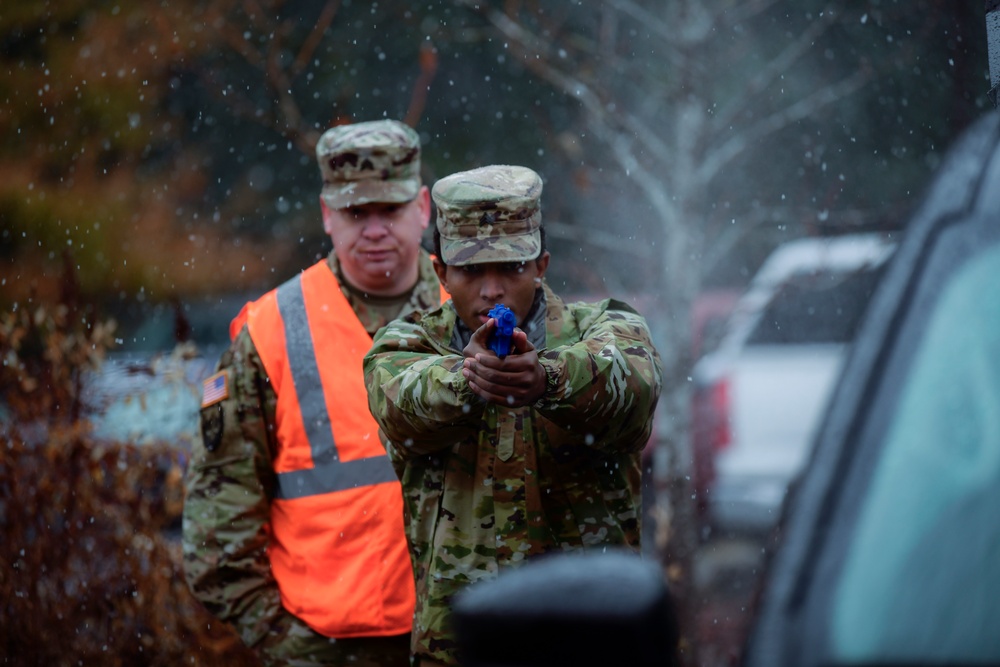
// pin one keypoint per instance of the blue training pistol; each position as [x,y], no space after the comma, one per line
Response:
[505,322]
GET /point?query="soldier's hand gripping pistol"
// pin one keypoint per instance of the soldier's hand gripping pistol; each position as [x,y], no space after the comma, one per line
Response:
[505,322]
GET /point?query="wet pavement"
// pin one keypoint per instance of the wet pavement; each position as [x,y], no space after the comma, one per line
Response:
[727,572]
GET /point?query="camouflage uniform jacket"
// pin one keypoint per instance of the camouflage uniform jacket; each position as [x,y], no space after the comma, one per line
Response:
[488,486]
[230,483]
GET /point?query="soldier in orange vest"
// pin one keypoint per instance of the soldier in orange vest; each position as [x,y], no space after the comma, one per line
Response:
[293,519]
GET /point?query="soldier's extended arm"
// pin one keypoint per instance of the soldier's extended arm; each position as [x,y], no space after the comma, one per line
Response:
[417,393]
[227,507]
[605,386]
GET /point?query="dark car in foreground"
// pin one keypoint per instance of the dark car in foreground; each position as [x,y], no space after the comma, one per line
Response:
[890,544]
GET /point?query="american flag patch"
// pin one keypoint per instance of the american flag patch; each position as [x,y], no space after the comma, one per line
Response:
[215,389]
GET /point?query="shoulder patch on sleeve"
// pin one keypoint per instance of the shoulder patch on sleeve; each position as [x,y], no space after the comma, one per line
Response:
[215,389]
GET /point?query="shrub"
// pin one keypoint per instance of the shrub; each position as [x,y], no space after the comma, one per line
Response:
[90,560]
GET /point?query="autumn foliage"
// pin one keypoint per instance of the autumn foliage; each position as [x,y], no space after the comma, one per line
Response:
[90,567]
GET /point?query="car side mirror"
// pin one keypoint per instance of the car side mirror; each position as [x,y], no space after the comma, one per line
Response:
[582,609]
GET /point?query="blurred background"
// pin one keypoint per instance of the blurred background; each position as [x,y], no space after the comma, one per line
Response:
[157,170]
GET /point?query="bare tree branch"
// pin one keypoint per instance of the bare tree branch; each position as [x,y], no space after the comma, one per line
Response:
[539,59]
[648,20]
[745,11]
[257,15]
[278,80]
[799,110]
[237,101]
[285,116]
[619,129]
[418,98]
[772,70]
[312,42]
[598,238]
[541,64]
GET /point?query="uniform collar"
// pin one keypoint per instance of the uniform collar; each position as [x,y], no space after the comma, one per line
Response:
[426,294]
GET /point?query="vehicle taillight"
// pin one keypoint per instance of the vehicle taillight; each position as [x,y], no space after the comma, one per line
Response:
[711,433]
[719,435]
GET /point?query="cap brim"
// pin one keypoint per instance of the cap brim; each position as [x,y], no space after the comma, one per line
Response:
[489,249]
[356,193]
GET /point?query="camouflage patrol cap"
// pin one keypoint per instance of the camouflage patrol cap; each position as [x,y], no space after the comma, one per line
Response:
[490,214]
[375,161]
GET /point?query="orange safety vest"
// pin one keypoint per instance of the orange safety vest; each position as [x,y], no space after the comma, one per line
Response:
[337,549]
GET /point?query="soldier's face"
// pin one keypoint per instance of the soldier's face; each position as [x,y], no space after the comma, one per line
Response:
[476,288]
[378,245]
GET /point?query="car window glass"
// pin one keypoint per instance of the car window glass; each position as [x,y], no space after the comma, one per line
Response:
[816,307]
[921,578]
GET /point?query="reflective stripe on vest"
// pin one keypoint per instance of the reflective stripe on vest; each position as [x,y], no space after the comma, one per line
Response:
[329,472]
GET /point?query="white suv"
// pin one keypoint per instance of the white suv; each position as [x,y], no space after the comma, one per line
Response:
[759,396]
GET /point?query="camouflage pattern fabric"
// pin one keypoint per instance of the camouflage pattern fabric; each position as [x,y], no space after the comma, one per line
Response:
[489,487]
[490,214]
[376,161]
[229,485]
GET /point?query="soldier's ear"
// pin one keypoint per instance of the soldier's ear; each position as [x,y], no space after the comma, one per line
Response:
[424,204]
[541,265]
[441,269]
[327,216]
